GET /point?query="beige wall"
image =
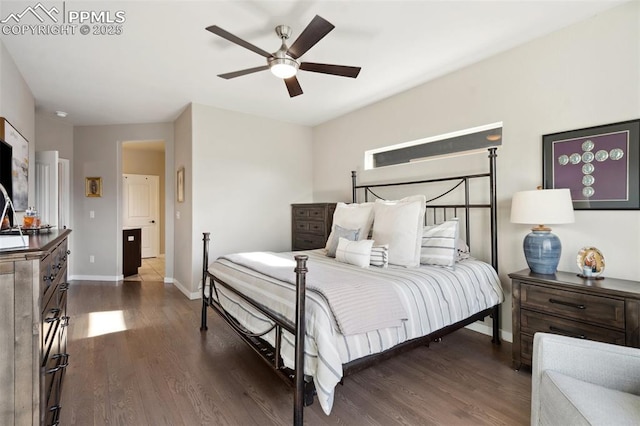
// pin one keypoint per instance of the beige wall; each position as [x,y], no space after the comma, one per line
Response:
[148,162]
[581,76]
[17,105]
[185,255]
[98,152]
[54,134]
[245,172]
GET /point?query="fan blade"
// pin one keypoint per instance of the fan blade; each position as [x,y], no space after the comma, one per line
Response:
[293,86]
[340,70]
[237,40]
[235,74]
[313,33]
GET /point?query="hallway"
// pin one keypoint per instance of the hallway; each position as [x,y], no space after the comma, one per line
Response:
[152,269]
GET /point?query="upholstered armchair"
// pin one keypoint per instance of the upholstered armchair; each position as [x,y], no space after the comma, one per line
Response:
[582,382]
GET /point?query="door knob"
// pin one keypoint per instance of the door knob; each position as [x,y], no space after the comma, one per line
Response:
[152,221]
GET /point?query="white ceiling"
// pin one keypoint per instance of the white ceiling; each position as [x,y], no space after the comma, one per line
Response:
[165,59]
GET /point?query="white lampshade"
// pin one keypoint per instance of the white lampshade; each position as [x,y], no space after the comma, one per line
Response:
[542,207]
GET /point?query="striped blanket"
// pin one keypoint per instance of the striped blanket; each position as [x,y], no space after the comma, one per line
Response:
[378,305]
[432,297]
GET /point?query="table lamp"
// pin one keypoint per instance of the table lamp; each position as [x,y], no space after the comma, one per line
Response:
[542,207]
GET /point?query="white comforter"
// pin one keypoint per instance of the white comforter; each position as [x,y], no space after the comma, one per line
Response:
[433,298]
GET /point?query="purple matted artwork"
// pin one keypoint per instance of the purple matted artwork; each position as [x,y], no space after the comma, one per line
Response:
[594,168]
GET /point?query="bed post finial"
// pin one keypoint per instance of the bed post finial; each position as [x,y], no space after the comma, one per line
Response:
[353,185]
[298,398]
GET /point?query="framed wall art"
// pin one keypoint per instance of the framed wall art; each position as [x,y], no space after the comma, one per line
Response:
[93,186]
[600,165]
[19,164]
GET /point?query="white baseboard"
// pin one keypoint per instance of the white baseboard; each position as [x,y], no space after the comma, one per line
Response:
[190,295]
[488,330]
[109,278]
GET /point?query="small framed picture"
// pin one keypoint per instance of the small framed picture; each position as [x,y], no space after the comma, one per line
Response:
[180,185]
[93,186]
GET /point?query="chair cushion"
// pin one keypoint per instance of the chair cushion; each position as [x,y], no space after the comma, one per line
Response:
[565,400]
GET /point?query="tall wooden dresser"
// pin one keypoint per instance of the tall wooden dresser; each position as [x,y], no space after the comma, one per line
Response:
[311,225]
[33,340]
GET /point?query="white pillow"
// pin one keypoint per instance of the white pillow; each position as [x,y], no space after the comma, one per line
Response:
[463,249]
[399,224]
[439,244]
[340,232]
[354,252]
[380,256]
[351,216]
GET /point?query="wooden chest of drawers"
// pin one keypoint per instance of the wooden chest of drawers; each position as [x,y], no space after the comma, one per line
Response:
[33,340]
[311,225]
[603,310]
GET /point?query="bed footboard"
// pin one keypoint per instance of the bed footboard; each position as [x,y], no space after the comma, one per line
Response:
[304,390]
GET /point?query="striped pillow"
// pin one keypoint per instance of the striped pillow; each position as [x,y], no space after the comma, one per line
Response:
[380,256]
[354,252]
[439,244]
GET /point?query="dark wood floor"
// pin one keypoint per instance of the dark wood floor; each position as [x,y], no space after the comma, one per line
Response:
[161,370]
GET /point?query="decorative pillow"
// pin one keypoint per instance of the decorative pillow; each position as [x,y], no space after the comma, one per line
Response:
[399,224]
[439,244]
[463,250]
[354,252]
[351,216]
[340,232]
[380,256]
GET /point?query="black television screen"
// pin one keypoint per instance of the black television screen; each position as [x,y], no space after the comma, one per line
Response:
[6,179]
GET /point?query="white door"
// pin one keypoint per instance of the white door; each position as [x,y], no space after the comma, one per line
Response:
[47,188]
[140,209]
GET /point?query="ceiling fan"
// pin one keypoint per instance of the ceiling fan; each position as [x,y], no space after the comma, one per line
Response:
[284,62]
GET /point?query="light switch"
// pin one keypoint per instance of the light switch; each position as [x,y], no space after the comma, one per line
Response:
[177,215]
[92,214]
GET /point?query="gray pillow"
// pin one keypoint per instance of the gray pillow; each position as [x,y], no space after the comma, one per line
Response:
[340,232]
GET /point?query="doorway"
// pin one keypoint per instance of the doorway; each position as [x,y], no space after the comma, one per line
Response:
[142,163]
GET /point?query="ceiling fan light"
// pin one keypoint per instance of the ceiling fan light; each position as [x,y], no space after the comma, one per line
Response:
[283,67]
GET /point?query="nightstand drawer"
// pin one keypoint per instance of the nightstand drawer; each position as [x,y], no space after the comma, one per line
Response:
[532,322]
[314,213]
[309,226]
[595,309]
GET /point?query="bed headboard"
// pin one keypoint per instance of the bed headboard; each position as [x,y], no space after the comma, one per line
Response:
[457,188]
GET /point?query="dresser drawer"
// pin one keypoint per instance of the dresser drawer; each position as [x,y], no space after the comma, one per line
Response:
[313,213]
[532,322]
[315,227]
[594,309]
[308,242]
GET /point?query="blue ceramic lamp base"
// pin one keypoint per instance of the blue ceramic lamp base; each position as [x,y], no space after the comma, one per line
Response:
[542,251]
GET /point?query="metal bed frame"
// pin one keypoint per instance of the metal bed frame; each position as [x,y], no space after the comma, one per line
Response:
[304,387]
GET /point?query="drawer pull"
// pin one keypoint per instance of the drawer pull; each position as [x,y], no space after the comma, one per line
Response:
[63,287]
[572,305]
[566,332]
[56,369]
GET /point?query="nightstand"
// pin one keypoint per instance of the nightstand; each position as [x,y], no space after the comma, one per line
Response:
[311,225]
[603,310]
